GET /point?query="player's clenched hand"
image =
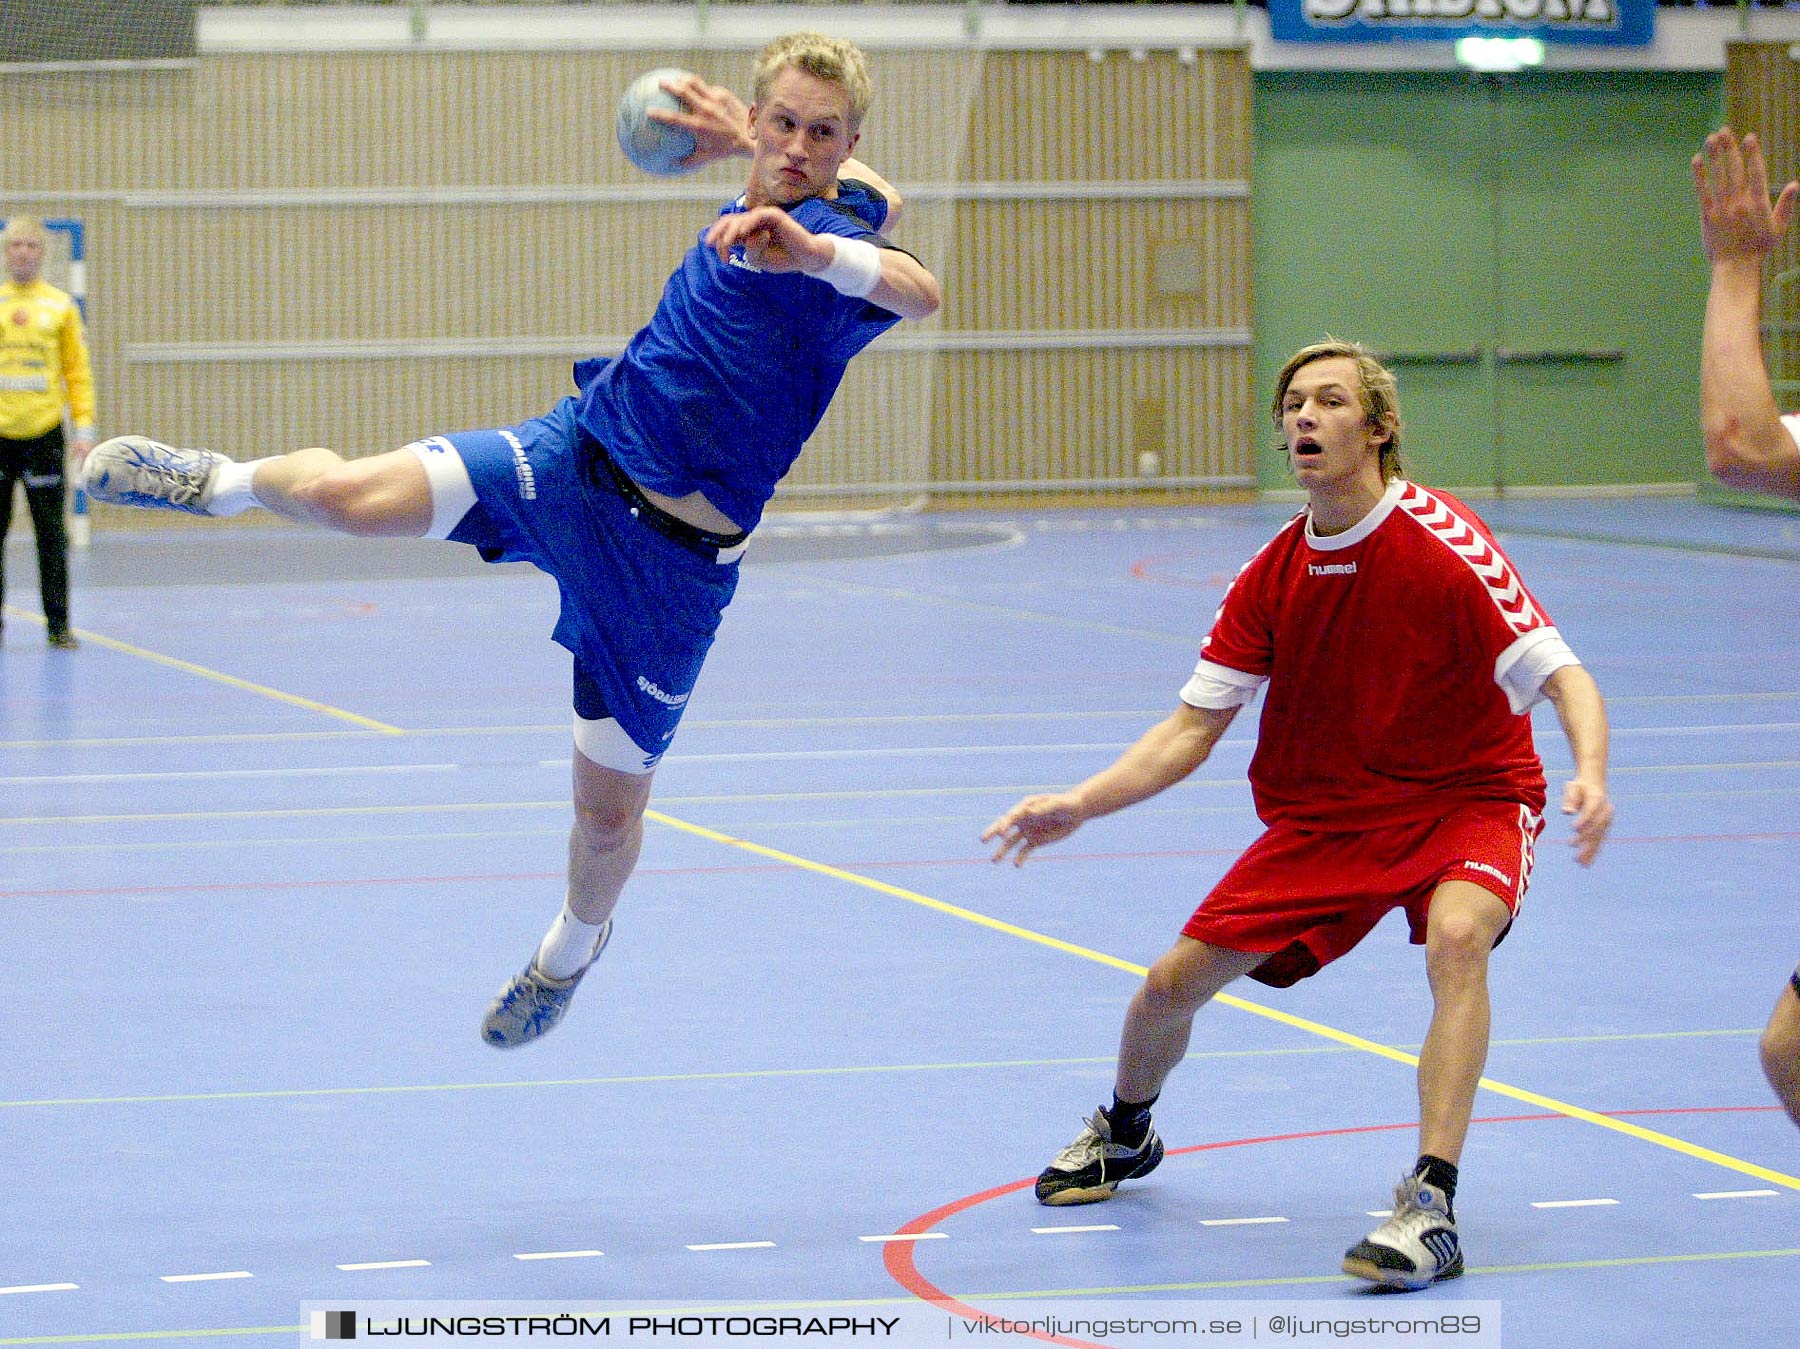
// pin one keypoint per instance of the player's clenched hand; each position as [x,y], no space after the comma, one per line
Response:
[1031,824]
[1593,815]
[772,240]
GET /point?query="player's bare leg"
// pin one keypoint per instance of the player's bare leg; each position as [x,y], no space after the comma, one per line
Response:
[1120,1144]
[606,837]
[384,495]
[1419,1244]
[1160,1020]
[1461,929]
[604,843]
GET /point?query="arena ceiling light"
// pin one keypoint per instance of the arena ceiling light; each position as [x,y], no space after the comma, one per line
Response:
[1499,53]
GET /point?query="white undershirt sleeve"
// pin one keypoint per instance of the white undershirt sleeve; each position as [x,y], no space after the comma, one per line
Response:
[1522,668]
[1219,686]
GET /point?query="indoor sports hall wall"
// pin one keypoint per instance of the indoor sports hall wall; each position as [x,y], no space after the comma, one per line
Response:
[354,249]
[1524,249]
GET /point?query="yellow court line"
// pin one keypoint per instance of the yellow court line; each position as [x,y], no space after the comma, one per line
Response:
[1548,1103]
[232,681]
[1025,934]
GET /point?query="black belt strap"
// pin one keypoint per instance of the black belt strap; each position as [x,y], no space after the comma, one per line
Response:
[703,541]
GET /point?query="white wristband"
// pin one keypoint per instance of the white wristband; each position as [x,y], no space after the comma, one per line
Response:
[855,268]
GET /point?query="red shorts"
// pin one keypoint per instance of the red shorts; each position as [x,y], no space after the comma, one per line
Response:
[1307,897]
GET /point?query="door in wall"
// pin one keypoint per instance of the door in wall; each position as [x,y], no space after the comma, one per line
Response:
[1523,249]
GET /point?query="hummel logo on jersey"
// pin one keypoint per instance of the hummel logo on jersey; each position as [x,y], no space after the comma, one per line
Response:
[1331,569]
[1488,870]
[666,699]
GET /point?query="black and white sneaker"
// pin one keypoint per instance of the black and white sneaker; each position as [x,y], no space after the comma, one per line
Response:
[1091,1167]
[1414,1248]
[138,471]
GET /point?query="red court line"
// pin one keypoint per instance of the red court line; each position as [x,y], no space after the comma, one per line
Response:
[898,1256]
[1144,569]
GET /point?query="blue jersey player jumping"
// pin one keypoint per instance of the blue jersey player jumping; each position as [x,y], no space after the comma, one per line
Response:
[638,494]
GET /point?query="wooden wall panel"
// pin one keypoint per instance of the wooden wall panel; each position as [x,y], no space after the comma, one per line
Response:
[462,224]
[1762,94]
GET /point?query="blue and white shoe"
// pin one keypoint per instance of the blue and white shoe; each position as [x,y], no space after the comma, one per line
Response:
[532,1002]
[138,471]
[1415,1247]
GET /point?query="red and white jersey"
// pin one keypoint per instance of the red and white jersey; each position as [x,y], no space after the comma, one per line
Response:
[1402,659]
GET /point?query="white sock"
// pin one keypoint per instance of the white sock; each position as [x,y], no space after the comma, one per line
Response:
[568,946]
[231,494]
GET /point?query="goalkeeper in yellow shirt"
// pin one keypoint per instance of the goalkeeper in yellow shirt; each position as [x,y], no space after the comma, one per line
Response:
[44,372]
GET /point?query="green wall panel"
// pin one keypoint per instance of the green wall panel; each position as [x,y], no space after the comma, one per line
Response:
[1524,249]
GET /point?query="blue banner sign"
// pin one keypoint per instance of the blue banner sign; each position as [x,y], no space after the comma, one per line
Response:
[1611,23]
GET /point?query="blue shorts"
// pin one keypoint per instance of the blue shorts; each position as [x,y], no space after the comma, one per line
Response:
[639,607]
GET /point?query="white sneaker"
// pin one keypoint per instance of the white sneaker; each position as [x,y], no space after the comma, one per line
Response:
[532,1002]
[1414,1248]
[138,471]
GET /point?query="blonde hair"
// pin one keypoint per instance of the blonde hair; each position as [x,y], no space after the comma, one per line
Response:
[825,58]
[24,227]
[1379,391]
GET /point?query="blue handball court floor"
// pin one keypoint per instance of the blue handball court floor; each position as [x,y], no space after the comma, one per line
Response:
[272,838]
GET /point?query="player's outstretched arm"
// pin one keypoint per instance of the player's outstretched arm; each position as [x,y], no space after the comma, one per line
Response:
[1163,756]
[773,241]
[1746,444]
[1583,715]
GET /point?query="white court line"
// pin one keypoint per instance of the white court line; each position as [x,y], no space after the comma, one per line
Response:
[1638,770]
[205,1278]
[731,1245]
[1572,1203]
[1237,1222]
[1737,1194]
[557,1255]
[1707,730]
[1770,695]
[1380,1212]
[388,1264]
[1145,715]
[908,1236]
[1056,1231]
[40,1288]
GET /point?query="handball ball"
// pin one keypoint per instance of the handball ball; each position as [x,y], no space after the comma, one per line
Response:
[653,146]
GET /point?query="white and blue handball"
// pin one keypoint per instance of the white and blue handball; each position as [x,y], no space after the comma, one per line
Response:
[655,147]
